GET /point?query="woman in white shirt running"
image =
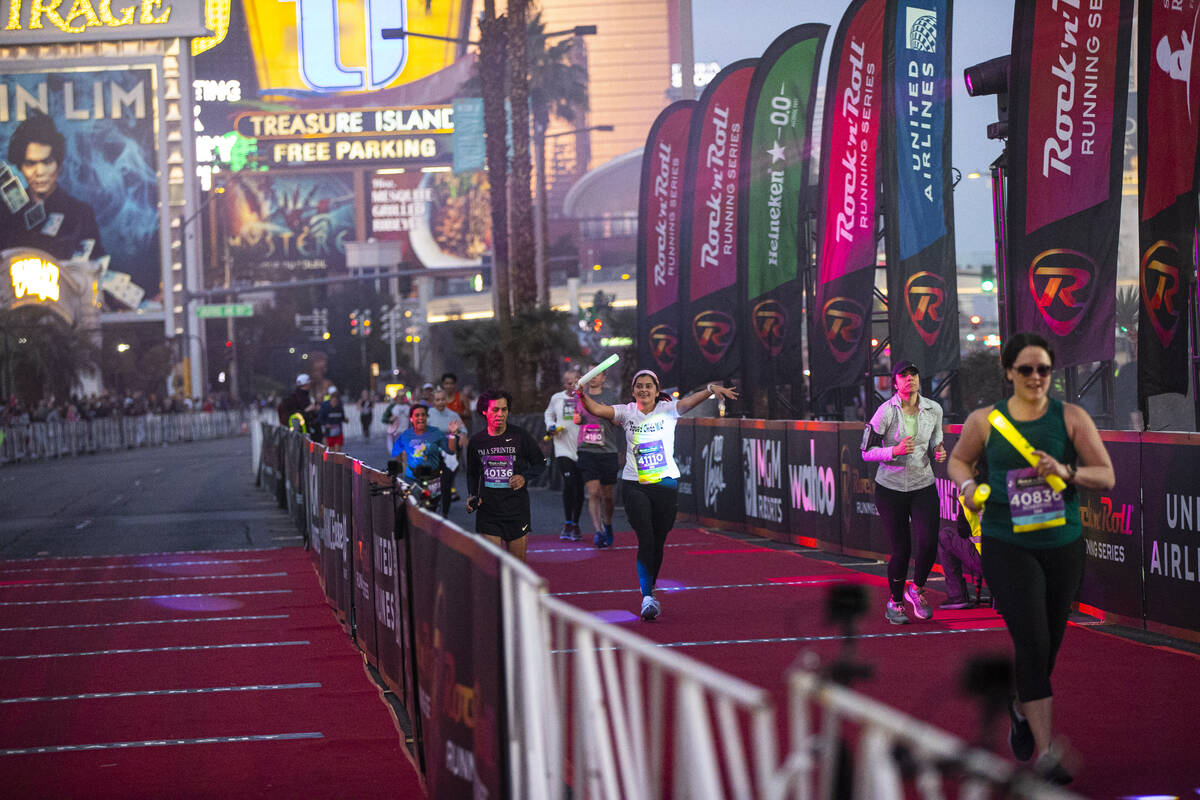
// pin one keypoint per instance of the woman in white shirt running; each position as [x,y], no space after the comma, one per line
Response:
[649,483]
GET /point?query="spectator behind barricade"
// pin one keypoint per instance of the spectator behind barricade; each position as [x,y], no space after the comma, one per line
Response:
[959,551]
[366,413]
[332,420]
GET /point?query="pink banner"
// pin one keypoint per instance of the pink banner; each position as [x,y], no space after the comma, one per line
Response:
[663,215]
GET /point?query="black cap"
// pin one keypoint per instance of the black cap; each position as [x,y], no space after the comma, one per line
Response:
[901,367]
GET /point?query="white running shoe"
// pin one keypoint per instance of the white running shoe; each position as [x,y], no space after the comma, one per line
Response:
[916,598]
[650,608]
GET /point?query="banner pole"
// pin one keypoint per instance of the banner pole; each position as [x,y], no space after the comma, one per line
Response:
[999,170]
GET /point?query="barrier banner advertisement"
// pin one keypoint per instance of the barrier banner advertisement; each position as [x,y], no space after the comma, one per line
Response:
[295,448]
[918,185]
[814,511]
[1068,89]
[685,437]
[361,546]
[774,174]
[460,664]
[717,471]
[1171,520]
[1169,93]
[662,250]
[948,508]
[340,527]
[387,558]
[713,315]
[313,457]
[862,532]
[764,477]
[1112,530]
[839,324]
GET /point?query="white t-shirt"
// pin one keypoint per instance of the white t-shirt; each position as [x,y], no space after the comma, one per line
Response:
[561,414]
[649,441]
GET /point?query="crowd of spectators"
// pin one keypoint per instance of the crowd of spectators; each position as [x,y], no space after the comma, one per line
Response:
[15,411]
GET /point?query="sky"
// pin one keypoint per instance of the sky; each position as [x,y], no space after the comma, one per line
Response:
[982,30]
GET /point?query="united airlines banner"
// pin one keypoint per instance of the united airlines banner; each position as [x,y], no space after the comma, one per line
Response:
[841,320]
[779,118]
[1169,94]
[1068,88]
[922,282]
[661,248]
[711,348]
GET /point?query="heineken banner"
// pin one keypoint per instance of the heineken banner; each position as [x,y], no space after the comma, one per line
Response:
[841,320]
[922,282]
[1169,95]
[711,348]
[1068,87]
[779,117]
[661,249]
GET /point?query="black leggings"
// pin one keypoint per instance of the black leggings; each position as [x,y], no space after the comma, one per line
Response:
[1034,589]
[650,509]
[572,491]
[895,509]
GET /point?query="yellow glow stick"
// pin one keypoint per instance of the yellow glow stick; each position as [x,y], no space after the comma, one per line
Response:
[1022,446]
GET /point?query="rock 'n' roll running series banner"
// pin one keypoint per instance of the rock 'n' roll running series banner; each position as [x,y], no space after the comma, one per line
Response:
[841,320]
[713,315]
[1169,94]
[775,167]
[1067,94]
[661,248]
[918,199]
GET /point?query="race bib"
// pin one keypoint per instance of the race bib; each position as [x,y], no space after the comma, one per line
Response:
[591,434]
[497,471]
[651,460]
[1032,504]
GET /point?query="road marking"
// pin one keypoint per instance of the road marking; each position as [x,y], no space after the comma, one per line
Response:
[793,639]
[119,581]
[138,565]
[568,549]
[141,650]
[76,748]
[83,524]
[625,590]
[44,556]
[142,622]
[161,693]
[139,597]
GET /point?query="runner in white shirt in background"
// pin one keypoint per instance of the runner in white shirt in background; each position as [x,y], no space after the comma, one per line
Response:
[562,430]
[650,479]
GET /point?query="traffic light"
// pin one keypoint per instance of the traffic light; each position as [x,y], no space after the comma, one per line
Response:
[366,323]
[987,278]
[597,324]
[354,322]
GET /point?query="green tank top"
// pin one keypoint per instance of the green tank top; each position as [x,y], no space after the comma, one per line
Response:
[1048,433]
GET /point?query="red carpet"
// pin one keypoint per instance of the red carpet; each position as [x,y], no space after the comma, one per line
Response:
[187,675]
[1128,710]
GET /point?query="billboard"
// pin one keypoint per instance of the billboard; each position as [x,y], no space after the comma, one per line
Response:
[31,22]
[83,145]
[443,219]
[279,227]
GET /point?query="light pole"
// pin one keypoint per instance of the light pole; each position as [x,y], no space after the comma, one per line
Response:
[541,213]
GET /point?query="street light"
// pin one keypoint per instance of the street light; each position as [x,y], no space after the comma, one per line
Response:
[400,33]
[541,214]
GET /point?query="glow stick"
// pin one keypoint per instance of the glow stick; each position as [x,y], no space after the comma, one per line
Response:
[596,370]
[1022,446]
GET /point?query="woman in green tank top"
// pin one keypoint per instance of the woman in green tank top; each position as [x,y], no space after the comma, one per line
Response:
[1033,550]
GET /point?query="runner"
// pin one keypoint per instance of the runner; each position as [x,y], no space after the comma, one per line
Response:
[501,460]
[649,482]
[599,460]
[561,428]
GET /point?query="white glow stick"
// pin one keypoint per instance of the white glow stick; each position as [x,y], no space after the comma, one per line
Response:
[596,370]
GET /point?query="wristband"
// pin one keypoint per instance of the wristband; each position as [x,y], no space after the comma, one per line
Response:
[962,490]
[711,393]
[1071,477]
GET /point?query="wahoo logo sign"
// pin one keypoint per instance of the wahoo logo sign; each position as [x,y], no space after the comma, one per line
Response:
[713,331]
[321,69]
[924,293]
[1160,284]
[814,487]
[770,325]
[664,346]
[1057,280]
[842,319]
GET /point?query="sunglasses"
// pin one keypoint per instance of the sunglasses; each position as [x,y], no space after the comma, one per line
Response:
[1025,370]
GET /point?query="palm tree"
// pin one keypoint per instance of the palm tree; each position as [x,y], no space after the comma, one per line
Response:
[41,355]
[520,211]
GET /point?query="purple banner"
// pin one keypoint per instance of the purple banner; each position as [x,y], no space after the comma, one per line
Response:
[1171,521]
[711,349]
[662,250]
[1068,87]
[1168,94]
[840,322]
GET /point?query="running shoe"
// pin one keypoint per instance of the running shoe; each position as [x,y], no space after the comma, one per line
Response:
[566,532]
[895,613]
[598,540]
[576,536]
[1050,768]
[650,608]
[1020,735]
[608,536]
[954,605]
[915,595]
